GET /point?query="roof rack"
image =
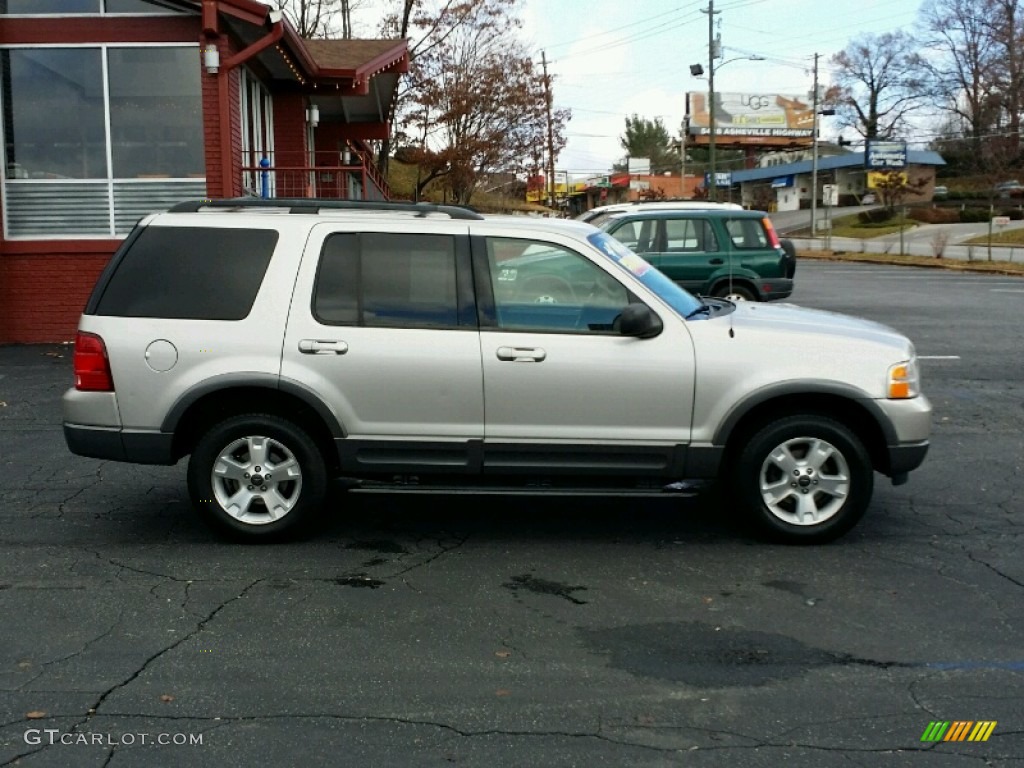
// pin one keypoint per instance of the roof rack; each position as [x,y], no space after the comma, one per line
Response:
[315,205]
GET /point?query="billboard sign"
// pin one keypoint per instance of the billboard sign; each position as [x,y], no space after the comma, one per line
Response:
[885,155]
[641,165]
[879,179]
[751,118]
[722,179]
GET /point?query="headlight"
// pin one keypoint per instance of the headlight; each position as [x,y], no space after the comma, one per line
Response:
[904,380]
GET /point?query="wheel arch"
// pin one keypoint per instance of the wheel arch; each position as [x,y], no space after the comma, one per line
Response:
[845,405]
[232,395]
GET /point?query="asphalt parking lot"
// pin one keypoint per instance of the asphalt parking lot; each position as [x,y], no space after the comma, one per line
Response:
[481,631]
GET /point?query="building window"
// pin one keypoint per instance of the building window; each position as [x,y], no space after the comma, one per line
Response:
[84,7]
[95,137]
[257,136]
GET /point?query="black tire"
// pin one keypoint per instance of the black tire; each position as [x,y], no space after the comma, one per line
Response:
[739,291]
[280,443]
[835,484]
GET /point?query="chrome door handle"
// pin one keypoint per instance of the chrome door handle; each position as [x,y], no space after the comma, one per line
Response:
[716,261]
[322,347]
[521,354]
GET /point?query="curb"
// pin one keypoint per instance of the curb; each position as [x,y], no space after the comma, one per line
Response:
[954,265]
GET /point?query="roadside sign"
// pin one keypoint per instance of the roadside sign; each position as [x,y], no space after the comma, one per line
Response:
[1000,221]
[885,155]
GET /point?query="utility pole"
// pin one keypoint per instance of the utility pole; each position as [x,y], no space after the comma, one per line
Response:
[712,55]
[814,153]
[551,134]
[682,157]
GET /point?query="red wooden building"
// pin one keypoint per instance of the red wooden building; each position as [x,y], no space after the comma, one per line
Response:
[116,108]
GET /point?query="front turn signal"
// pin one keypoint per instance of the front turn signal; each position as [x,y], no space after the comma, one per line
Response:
[904,381]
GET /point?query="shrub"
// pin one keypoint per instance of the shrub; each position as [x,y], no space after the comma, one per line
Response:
[875,216]
[934,215]
[1014,214]
[974,215]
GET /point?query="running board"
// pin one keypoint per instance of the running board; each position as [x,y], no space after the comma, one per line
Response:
[680,489]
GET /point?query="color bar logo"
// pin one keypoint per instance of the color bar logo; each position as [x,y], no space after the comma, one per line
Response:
[958,730]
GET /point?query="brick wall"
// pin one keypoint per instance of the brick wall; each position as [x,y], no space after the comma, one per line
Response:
[43,291]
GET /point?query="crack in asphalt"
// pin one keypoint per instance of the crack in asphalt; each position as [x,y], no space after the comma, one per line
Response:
[94,709]
[970,556]
[443,550]
[89,643]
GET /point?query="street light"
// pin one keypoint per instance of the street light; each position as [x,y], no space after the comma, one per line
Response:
[697,70]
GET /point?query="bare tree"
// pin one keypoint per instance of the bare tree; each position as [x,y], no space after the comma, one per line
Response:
[874,88]
[319,18]
[960,68]
[1007,35]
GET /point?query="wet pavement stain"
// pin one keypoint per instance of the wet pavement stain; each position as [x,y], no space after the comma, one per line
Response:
[705,657]
[374,561]
[380,545]
[359,580]
[545,587]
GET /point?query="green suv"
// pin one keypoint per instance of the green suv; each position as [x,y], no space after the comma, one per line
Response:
[714,252]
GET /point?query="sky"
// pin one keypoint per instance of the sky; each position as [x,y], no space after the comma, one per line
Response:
[614,58]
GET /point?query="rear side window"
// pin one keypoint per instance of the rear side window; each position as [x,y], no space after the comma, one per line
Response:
[747,233]
[386,279]
[683,235]
[639,235]
[189,273]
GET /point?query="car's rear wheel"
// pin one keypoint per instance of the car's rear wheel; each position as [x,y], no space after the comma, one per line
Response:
[257,477]
[735,293]
[803,479]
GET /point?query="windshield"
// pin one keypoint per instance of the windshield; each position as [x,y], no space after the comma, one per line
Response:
[681,301]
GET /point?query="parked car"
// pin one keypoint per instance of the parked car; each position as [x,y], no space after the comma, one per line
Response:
[940,192]
[404,347]
[713,252]
[1009,189]
[597,216]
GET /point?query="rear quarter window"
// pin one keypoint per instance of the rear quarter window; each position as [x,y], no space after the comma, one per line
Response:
[189,273]
[747,233]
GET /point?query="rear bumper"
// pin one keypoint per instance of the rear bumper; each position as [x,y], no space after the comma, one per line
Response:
[775,288]
[116,444]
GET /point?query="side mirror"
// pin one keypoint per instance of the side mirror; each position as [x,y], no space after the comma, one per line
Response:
[638,320]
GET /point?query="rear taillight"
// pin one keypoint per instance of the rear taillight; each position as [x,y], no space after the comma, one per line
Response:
[773,238]
[92,368]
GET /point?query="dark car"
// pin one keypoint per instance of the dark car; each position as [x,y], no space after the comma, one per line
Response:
[727,253]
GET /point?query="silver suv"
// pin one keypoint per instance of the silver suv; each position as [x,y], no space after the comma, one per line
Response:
[282,344]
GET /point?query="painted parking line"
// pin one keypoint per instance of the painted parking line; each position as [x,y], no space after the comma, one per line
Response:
[1007,290]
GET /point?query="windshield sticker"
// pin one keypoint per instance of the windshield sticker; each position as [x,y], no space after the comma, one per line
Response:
[620,254]
[635,264]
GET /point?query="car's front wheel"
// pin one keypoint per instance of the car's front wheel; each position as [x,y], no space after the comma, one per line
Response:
[257,477]
[803,479]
